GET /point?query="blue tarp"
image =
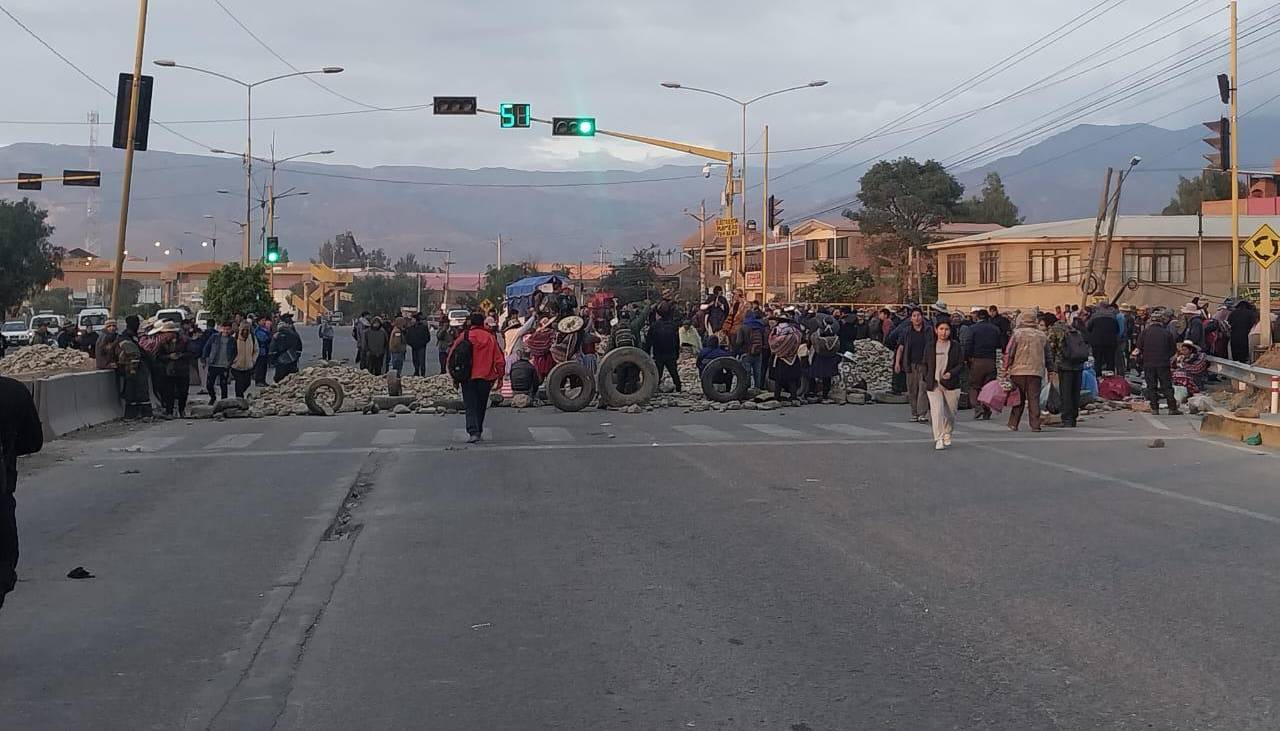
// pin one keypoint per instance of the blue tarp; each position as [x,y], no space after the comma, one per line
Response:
[520,293]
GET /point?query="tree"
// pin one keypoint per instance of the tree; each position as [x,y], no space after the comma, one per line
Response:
[907,199]
[28,261]
[382,295]
[994,206]
[284,256]
[496,280]
[129,291]
[341,253]
[57,301]
[1191,192]
[235,290]
[835,286]
[636,278]
[408,263]
[377,259]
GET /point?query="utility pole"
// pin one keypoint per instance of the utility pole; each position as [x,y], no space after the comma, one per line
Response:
[127,183]
[603,252]
[499,251]
[1103,205]
[764,225]
[1235,164]
[702,219]
[444,302]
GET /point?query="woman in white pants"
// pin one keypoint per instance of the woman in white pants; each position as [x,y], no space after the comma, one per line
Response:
[942,383]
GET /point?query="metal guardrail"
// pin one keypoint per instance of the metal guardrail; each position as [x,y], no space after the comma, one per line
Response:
[1263,378]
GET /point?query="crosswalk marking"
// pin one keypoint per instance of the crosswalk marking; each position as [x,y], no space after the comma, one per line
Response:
[775,430]
[550,434]
[995,426]
[235,441]
[703,432]
[850,430]
[911,426]
[314,439]
[156,444]
[392,437]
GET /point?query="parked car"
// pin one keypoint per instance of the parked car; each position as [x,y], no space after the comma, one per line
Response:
[16,332]
[93,318]
[55,322]
[176,314]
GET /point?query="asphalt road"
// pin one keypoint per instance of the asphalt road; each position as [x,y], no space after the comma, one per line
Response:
[803,569]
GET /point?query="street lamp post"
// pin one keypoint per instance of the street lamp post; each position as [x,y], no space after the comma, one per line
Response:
[742,173]
[269,200]
[248,156]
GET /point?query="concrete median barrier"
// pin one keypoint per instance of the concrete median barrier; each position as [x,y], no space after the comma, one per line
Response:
[75,401]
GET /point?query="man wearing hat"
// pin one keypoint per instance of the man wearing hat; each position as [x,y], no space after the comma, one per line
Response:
[1193,328]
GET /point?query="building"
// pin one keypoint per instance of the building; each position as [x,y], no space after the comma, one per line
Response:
[1042,264]
[1261,198]
[792,263]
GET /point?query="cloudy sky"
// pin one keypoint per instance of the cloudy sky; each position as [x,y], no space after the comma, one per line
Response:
[607,58]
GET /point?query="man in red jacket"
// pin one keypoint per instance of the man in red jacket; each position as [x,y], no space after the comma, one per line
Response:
[487,366]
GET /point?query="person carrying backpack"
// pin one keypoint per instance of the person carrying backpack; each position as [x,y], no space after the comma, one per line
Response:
[749,343]
[1068,353]
[475,362]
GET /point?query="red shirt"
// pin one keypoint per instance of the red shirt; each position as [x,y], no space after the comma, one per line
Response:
[487,361]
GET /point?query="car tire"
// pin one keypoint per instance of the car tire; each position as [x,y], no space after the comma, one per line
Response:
[560,377]
[321,384]
[717,368]
[607,372]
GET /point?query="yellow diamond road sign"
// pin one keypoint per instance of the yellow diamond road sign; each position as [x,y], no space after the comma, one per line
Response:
[1263,246]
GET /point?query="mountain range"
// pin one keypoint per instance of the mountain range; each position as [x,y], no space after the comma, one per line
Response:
[550,216]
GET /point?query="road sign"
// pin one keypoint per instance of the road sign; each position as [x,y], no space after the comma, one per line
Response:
[346,297]
[727,228]
[1263,246]
[486,306]
[84,178]
[753,280]
[513,115]
[32,181]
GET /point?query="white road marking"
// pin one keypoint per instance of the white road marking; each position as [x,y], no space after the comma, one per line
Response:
[314,439]
[235,441]
[911,426]
[1156,422]
[703,432]
[156,444]
[392,437]
[774,430]
[550,434]
[1134,485]
[850,430]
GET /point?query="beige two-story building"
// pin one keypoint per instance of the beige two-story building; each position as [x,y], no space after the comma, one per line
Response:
[1171,258]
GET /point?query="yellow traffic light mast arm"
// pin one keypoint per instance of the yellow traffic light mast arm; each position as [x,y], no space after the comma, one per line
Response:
[707,152]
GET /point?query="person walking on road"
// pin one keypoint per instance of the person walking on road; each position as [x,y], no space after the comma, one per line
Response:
[750,344]
[326,339]
[374,347]
[475,362]
[133,367]
[218,353]
[984,339]
[286,349]
[913,351]
[245,359]
[1068,353]
[263,334]
[357,331]
[664,343]
[942,383]
[173,369]
[1156,350]
[20,434]
[417,336]
[1025,361]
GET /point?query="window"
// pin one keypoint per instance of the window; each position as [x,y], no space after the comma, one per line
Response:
[1048,266]
[1159,265]
[715,264]
[831,249]
[989,267]
[811,249]
[842,247]
[955,270]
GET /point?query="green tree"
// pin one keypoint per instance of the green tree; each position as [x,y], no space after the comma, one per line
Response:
[906,199]
[57,301]
[496,280]
[834,286]
[383,295]
[409,263]
[129,291]
[994,206]
[235,290]
[28,261]
[636,278]
[1191,192]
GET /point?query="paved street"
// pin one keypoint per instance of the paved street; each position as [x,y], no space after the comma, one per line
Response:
[815,568]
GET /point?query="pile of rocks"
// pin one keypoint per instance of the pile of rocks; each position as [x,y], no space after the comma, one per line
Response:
[872,364]
[359,388]
[44,360]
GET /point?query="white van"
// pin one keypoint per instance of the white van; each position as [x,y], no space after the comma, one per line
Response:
[173,315]
[55,322]
[93,319]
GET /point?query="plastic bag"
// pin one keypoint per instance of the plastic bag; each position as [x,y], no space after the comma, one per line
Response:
[1089,382]
[1053,401]
[993,396]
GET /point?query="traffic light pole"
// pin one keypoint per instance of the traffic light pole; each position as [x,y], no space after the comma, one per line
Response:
[127,183]
[764,227]
[1235,163]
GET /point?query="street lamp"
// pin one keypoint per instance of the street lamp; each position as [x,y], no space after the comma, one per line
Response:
[271,197]
[248,155]
[742,174]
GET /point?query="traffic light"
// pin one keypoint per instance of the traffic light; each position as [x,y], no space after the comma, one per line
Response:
[513,115]
[1221,141]
[454,105]
[83,178]
[30,181]
[1224,88]
[573,126]
[273,249]
[775,213]
[124,94]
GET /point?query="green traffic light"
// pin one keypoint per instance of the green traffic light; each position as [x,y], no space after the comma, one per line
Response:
[273,257]
[586,127]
